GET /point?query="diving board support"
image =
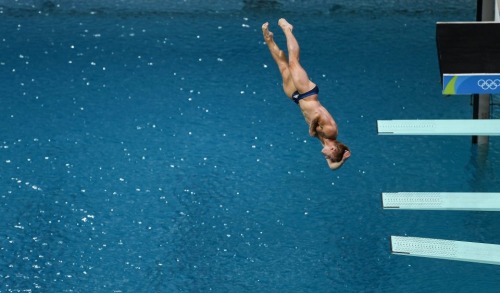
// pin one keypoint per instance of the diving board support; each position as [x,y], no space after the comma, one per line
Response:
[497,11]
[469,59]
[454,201]
[490,127]
[446,249]
[481,110]
[487,10]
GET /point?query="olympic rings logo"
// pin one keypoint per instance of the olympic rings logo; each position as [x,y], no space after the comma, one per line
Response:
[489,84]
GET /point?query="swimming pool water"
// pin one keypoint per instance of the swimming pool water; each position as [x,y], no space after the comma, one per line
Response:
[153,151]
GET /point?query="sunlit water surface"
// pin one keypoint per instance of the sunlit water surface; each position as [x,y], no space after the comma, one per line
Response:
[155,152]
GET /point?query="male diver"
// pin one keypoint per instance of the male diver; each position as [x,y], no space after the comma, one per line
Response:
[304,92]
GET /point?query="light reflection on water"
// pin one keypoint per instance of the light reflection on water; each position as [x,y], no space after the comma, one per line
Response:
[158,154]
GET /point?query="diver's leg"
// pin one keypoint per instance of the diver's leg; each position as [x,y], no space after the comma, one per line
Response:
[280,58]
[299,75]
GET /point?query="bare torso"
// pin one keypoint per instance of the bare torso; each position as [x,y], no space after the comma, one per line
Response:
[295,79]
[321,123]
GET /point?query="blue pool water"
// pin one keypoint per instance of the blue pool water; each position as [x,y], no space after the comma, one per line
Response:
[151,149]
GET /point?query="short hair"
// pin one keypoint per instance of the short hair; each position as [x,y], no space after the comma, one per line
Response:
[340,151]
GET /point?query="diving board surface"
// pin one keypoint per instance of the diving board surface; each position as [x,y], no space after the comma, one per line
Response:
[468,47]
[488,127]
[469,84]
[446,249]
[458,201]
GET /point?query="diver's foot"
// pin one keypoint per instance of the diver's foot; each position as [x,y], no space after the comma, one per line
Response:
[285,25]
[268,35]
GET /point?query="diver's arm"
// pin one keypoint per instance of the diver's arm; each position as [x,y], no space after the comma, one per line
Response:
[313,125]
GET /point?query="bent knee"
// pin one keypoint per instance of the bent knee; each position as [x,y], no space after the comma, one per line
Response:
[294,64]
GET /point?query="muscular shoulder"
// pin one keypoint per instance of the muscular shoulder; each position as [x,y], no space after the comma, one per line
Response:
[327,126]
[321,123]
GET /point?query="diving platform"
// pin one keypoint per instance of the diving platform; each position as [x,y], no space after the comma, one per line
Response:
[468,47]
[469,64]
[469,59]
[446,249]
[487,127]
[453,201]
[470,84]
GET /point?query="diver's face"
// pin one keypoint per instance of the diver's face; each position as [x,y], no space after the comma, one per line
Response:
[329,152]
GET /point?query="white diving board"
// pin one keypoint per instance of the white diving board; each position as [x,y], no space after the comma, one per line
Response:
[446,249]
[457,201]
[487,127]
